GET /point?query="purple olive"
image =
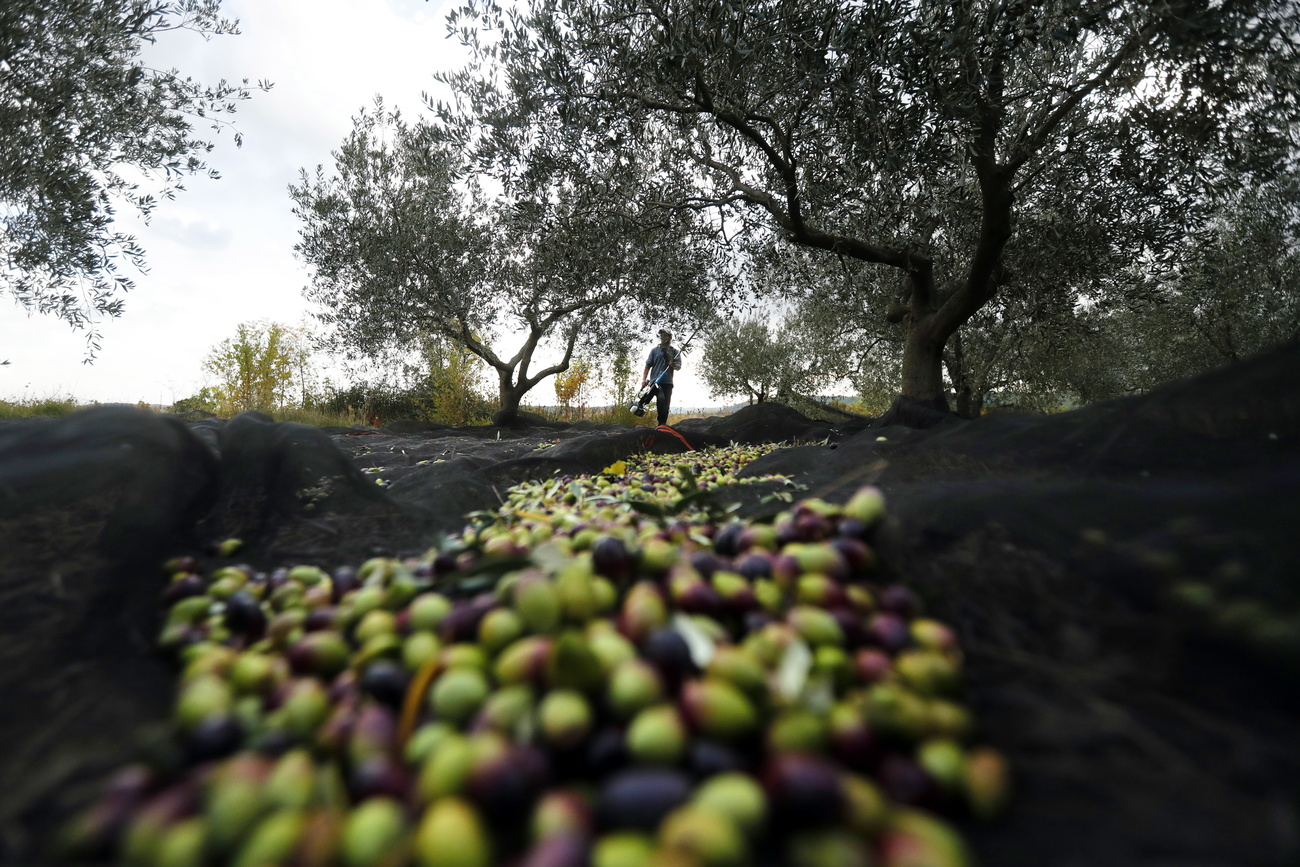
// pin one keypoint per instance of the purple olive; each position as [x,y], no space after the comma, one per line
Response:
[244,616]
[183,587]
[785,569]
[852,740]
[641,797]
[506,787]
[379,776]
[184,563]
[386,681]
[860,558]
[701,598]
[756,620]
[899,600]
[727,540]
[872,665]
[804,790]
[705,758]
[318,619]
[610,557]
[273,742]
[811,527]
[215,737]
[669,653]
[560,850]
[705,562]
[904,780]
[755,564]
[852,528]
[855,632]
[461,624]
[606,753]
[888,631]
[324,653]
[344,581]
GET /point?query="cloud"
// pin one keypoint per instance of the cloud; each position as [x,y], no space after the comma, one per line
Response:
[198,233]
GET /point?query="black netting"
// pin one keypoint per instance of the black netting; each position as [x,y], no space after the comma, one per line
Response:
[1143,730]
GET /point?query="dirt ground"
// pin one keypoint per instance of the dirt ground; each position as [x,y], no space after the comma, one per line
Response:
[1146,725]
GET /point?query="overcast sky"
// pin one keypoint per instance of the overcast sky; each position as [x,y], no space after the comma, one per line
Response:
[222,252]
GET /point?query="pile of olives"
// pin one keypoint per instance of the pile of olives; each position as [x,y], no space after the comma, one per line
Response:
[606,671]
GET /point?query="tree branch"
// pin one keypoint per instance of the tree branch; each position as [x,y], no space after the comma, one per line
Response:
[1027,144]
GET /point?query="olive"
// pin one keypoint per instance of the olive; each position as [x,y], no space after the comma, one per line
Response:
[640,798]
[244,616]
[213,737]
[385,681]
[611,558]
[804,790]
[669,653]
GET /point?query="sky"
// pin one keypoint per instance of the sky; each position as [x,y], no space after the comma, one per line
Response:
[222,252]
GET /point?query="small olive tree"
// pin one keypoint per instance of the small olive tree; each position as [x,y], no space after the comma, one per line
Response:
[775,358]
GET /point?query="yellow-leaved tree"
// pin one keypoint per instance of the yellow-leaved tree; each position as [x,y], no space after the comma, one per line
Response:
[266,366]
[573,387]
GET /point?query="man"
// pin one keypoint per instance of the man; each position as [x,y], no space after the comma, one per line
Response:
[663,360]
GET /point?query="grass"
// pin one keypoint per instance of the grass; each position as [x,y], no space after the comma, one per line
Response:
[319,418]
[42,408]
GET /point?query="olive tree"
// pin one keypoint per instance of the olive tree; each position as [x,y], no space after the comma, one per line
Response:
[1227,289]
[86,128]
[775,357]
[1232,291]
[912,136]
[405,239]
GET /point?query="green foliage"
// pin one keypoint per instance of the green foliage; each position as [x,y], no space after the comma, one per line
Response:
[775,358]
[375,403]
[207,399]
[620,384]
[1227,290]
[265,367]
[972,149]
[439,384]
[405,244]
[1233,292]
[86,128]
[453,379]
[743,357]
[319,418]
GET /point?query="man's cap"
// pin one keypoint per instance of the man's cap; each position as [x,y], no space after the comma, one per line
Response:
[663,331]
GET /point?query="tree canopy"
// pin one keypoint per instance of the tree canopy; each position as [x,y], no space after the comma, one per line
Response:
[970,147]
[764,357]
[406,240]
[261,368]
[87,127]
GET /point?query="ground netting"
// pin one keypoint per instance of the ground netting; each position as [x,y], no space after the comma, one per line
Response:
[1123,580]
